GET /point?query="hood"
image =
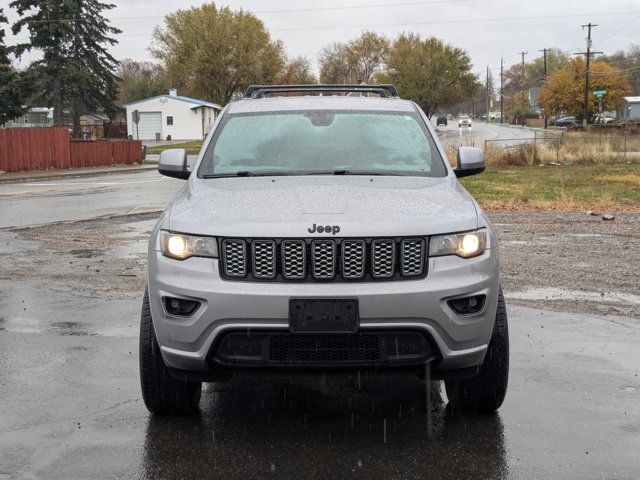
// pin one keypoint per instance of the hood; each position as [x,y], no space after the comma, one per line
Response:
[361,206]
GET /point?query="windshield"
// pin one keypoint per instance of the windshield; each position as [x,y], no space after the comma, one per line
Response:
[322,142]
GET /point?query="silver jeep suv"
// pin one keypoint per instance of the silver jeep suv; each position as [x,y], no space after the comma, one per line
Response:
[322,227]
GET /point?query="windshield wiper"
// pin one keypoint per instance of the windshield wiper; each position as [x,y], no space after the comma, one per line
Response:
[242,173]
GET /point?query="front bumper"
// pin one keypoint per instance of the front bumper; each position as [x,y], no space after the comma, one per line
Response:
[419,305]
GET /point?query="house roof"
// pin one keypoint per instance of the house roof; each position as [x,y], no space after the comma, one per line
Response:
[96,116]
[195,101]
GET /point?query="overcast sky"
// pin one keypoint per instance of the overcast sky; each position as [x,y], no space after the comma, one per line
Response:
[487,29]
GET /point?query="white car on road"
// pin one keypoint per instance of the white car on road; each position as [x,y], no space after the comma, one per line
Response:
[464,121]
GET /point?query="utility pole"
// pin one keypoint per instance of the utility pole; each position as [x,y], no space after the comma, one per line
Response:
[501,84]
[523,112]
[588,53]
[544,57]
[487,94]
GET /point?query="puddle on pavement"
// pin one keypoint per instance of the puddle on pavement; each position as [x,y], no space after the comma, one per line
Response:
[139,233]
[127,250]
[13,243]
[20,325]
[142,225]
[563,294]
[72,329]
[85,253]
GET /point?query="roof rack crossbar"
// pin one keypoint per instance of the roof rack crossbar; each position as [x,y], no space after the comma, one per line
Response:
[260,91]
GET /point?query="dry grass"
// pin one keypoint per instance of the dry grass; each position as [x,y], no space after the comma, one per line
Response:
[568,149]
[611,187]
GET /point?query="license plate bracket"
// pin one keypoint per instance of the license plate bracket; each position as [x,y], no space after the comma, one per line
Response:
[323,315]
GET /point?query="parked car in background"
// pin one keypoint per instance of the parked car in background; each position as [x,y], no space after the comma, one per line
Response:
[464,121]
[441,120]
[602,118]
[567,122]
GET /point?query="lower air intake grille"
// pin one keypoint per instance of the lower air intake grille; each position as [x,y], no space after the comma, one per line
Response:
[323,349]
[280,348]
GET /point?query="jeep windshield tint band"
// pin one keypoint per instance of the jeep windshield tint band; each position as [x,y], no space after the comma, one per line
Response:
[322,142]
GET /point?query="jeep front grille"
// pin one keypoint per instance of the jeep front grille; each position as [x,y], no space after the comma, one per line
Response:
[323,259]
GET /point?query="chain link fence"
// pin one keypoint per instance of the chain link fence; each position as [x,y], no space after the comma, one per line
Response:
[545,148]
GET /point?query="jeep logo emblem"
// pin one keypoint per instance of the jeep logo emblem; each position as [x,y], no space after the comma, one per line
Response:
[332,229]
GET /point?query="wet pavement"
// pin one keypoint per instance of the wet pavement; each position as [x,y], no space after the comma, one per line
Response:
[46,201]
[72,406]
[70,400]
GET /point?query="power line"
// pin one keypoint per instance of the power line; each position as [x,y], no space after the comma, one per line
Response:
[619,30]
[322,9]
[453,22]
[524,113]
[619,72]
[587,54]
[437,22]
[544,59]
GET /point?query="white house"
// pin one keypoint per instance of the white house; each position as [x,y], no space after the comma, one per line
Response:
[631,110]
[164,116]
[34,117]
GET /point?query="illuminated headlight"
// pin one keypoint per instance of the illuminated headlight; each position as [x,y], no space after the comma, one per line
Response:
[181,247]
[465,244]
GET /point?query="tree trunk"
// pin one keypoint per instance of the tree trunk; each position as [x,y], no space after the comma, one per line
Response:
[56,96]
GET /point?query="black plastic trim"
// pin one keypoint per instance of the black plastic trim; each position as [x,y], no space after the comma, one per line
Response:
[433,355]
[309,278]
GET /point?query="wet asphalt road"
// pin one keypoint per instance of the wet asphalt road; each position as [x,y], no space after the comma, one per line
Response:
[46,201]
[71,406]
[481,132]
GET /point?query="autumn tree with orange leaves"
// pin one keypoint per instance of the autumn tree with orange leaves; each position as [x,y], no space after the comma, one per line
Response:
[564,89]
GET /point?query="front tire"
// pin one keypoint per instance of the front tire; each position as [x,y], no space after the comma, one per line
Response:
[161,393]
[486,391]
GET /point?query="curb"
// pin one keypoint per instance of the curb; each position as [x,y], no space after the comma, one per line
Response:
[151,211]
[59,175]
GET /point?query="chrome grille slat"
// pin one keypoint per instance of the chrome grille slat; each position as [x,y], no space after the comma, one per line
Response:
[353,259]
[412,257]
[235,258]
[264,258]
[323,259]
[383,258]
[294,259]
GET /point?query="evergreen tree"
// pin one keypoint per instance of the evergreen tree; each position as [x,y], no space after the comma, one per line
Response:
[76,71]
[12,89]
[90,82]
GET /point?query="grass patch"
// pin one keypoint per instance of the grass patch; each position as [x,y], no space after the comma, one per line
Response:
[569,148]
[192,147]
[581,187]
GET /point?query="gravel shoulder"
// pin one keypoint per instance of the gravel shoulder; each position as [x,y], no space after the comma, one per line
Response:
[563,261]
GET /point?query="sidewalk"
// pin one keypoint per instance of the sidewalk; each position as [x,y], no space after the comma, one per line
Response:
[31,176]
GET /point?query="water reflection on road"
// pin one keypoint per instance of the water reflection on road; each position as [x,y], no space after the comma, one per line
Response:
[324,427]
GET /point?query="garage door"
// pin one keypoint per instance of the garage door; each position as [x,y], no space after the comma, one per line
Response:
[150,124]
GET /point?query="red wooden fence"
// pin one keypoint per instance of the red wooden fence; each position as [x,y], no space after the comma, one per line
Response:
[46,148]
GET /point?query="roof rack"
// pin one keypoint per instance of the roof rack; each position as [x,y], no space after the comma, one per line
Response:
[260,91]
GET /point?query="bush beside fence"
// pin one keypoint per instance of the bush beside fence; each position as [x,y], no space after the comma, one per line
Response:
[46,148]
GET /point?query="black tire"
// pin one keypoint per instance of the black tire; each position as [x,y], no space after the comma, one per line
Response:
[486,391]
[161,393]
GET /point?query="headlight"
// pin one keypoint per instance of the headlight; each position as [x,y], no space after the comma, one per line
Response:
[181,247]
[465,245]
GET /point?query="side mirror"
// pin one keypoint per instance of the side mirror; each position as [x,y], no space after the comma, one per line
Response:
[173,163]
[470,162]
